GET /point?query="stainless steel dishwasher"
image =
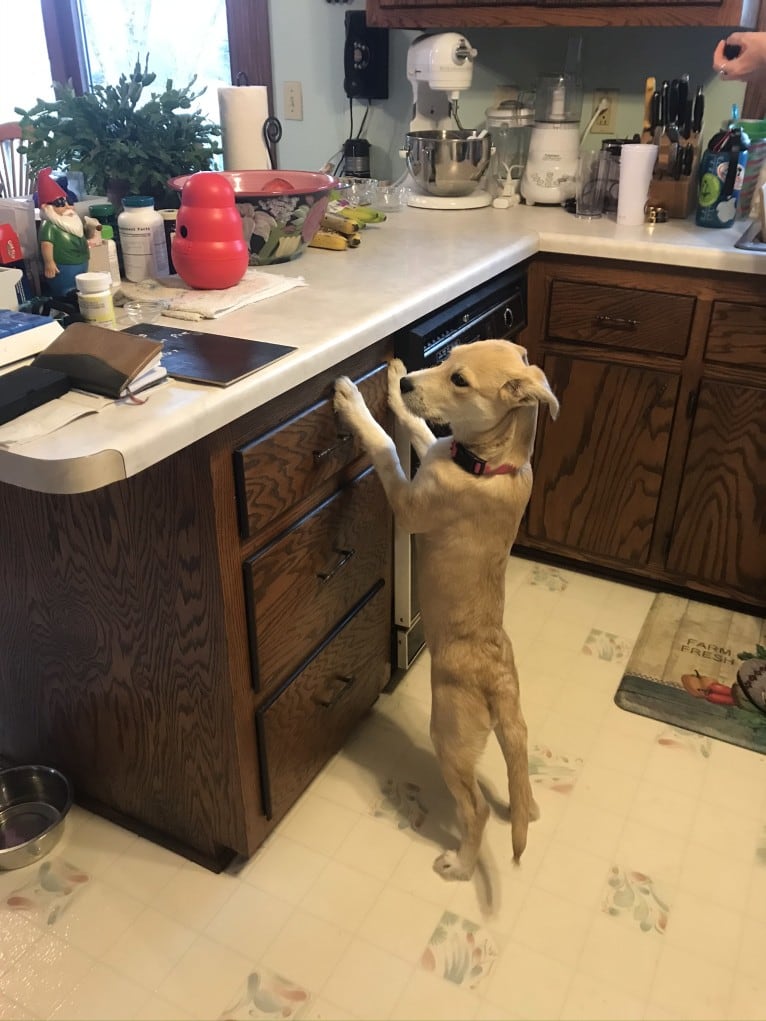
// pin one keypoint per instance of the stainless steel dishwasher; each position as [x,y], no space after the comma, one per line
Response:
[496,309]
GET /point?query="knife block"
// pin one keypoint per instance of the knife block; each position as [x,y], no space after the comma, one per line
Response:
[677,197]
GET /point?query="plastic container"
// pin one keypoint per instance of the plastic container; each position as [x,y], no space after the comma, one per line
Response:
[94,296]
[142,239]
[106,215]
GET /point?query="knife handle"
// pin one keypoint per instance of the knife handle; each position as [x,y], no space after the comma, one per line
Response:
[654,111]
[674,102]
[699,111]
[650,90]
[664,103]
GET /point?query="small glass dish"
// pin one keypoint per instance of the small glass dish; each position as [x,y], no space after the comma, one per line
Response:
[389,198]
[134,312]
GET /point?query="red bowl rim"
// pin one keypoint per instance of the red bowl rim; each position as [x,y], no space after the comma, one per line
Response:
[314,183]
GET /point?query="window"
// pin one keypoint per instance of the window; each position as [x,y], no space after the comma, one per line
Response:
[94,41]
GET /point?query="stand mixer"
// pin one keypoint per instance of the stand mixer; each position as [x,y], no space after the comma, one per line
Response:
[445,165]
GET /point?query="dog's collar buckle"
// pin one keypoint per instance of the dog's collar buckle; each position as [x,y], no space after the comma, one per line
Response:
[474,465]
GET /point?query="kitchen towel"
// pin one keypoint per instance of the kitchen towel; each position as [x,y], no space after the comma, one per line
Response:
[182,302]
[244,109]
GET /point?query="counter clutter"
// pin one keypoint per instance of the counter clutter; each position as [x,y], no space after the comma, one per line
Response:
[420,260]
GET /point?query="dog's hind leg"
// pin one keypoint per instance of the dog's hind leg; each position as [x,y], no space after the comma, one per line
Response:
[458,745]
[511,733]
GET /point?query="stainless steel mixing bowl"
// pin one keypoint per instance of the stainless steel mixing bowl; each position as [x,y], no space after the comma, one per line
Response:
[447,163]
[34,801]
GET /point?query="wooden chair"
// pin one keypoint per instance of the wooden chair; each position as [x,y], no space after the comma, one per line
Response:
[15,178]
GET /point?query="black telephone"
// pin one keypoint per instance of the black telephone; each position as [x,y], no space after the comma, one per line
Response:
[365,59]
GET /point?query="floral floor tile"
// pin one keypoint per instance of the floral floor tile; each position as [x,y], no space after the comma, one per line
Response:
[635,896]
[51,890]
[548,578]
[553,772]
[675,738]
[606,646]
[459,951]
[401,805]
[268,994]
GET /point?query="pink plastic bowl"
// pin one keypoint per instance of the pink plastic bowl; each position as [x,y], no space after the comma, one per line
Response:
[281,210]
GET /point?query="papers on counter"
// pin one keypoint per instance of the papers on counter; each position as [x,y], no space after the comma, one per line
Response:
[49,417]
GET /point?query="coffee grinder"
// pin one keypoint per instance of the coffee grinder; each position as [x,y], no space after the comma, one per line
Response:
[554,144]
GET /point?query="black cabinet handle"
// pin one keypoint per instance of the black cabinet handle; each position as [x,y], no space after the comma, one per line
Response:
[620,324]
[347,682]
[320,455]
[345,556]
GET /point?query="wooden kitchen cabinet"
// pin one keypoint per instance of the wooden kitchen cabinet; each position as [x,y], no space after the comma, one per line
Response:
[131,623]
[423,14]
[656,466]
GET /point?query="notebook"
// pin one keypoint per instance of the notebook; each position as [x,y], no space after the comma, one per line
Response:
[104,361]
[198,357]
[23,334]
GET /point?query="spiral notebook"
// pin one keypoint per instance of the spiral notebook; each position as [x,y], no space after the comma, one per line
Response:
[198,357]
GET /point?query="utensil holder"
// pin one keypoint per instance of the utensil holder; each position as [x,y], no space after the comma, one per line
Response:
[678,196]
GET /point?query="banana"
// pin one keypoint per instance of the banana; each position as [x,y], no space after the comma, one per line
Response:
[342,224]
[363,214]
[329,239]
[354,241]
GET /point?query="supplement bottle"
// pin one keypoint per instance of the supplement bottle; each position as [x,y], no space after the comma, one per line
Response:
[94,296]
[142,239]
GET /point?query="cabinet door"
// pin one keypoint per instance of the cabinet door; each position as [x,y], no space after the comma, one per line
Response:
[599,470]
[303,583]
[719,534]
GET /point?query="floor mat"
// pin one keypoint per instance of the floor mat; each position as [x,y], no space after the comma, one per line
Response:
[702,668]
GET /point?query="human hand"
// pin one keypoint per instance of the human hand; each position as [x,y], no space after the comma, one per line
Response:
[749,65]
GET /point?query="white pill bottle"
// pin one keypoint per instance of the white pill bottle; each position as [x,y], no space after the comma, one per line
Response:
[94,296]
[142,238]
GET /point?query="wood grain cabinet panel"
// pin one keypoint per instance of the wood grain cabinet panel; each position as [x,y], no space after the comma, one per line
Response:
[304,582]
[422,14]
[600,464]
[307,722]
[720,528]
[620,317]
[287,464]
[737,335]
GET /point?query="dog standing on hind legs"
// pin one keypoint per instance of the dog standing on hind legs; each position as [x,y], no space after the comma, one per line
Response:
[464,506]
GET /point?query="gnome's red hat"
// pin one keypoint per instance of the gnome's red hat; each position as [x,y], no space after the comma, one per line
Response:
[47,189]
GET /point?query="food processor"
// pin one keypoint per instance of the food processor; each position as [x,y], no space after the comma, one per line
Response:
[510,125]
[549,174]
[445,162]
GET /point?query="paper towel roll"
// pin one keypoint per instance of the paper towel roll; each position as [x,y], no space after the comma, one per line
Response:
[244,109]
[636,166]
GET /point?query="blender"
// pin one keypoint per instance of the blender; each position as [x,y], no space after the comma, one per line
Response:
[445,162]
[549,174]
[510,124]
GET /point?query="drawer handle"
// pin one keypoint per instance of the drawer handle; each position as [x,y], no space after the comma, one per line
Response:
[320,455]
[508,317]
[620,324]
[347,681]
[345,556]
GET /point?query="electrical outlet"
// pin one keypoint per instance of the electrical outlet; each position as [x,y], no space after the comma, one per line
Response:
[606,122]
[293,101]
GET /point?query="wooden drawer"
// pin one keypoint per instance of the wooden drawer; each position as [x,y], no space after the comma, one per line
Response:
[285,465]
[308,721]
[620,317]
[304,582]
[737,335]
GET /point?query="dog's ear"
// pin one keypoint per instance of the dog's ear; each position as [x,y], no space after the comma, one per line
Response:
[533,384]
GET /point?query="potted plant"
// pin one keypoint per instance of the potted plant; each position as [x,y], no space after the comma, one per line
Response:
[121,145]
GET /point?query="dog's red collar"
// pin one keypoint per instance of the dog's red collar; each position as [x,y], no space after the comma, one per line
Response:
[474,465]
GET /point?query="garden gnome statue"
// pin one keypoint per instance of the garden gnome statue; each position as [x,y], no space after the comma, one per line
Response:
[63,246]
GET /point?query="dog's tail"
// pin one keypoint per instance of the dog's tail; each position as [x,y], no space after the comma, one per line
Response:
[511,731]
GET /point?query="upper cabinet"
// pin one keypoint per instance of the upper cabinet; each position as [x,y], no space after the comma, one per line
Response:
[423,14]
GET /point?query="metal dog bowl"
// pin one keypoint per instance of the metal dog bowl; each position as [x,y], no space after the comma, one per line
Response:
[447,163]
[34,801]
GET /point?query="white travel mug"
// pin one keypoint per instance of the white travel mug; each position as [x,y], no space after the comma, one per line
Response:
[636,166]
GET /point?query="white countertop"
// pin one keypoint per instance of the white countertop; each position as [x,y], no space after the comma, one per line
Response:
[405,268]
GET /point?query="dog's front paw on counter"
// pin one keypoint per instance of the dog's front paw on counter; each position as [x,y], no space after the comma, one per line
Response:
[347,398]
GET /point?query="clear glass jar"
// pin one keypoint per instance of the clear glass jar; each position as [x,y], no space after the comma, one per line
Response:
[510,125]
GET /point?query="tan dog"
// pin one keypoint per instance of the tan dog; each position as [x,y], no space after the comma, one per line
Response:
[464,505]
